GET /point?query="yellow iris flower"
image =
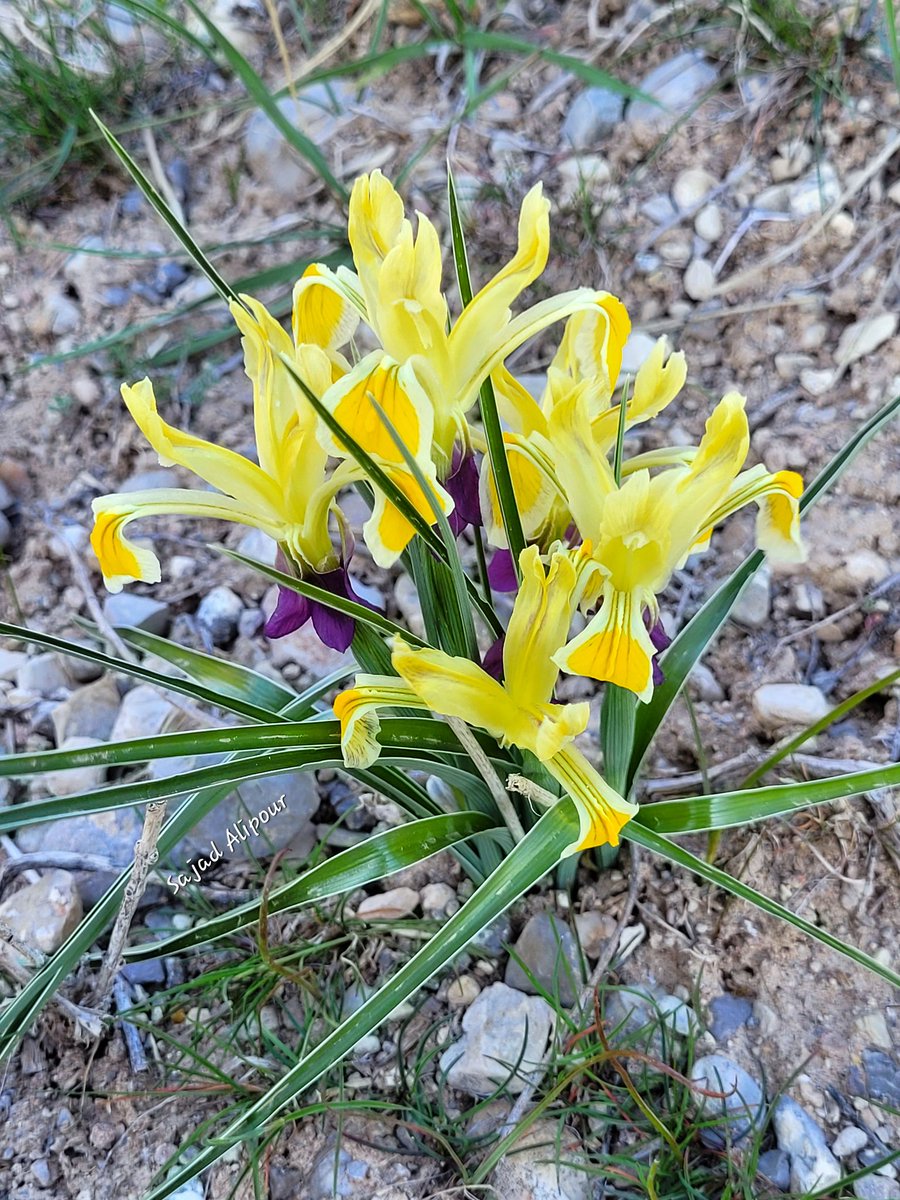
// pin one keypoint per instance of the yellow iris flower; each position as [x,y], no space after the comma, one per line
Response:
[519,712]
[286,496]
[637,533]
[397,291]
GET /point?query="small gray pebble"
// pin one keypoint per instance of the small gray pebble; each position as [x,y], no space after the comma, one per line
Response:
[115,297]
[727,1014]
[850,1140]
[775,1165]
[167,277]
[876,1187]
[132,203]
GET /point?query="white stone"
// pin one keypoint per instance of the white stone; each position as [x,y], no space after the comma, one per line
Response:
[10,662]
[848,1141]
[269,155]
[438,899]
[218,614]
[817,382]
[779,704]
[636,350]
[144,713]
[594,929]
[863,337]
[675,85]
[813,1165]
[463,991]
[752,607]
[593,113]
[704,683]
[543,1166]
[582,175]
[873,1028]
[77,779]
[699,279]
[815,191]
[865,567]
[388,906]
[709,223]
[502,1028]
[692,186]
[43,675]
[43,914]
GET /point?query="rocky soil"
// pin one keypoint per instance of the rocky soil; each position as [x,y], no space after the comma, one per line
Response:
[754,223]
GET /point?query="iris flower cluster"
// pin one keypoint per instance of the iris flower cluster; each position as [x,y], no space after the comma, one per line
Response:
[603,539]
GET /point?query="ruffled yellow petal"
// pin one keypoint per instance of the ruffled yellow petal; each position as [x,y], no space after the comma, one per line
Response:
[538,627]
[614,646]
[593,342]
[602,812]
[516,405]
[357,710]
[229,472]
[778,520]
[376,223]
[560,724]
[121,561]
[322,313]
[657,383]
[411,313]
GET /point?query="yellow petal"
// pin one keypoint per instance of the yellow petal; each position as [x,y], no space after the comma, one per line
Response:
[657,383]
[376,223]
[602,812]
[387,532]
[357,710]
[583,471]
[516,405]
[229,472]
[594,340]
[778,521]
[615,646]
[533,485]
[538,627]
[456,687]
[397,390]
[721,453]
[560,724]
[323,313]
[121,561]
[411,313]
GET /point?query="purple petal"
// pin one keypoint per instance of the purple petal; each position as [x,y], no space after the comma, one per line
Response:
[660,640]
[291,611]
[493,659]
[462,484]
[333,628]
[502,573]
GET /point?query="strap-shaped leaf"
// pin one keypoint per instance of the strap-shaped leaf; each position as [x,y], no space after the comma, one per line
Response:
[378,856]
[677,854]
[727,809]
[231,678]
[528,862]
[137,671]
[678,661]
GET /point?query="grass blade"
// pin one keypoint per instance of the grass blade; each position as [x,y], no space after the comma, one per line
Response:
[231,679]
[678,661]
[677,854]
[153,197]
